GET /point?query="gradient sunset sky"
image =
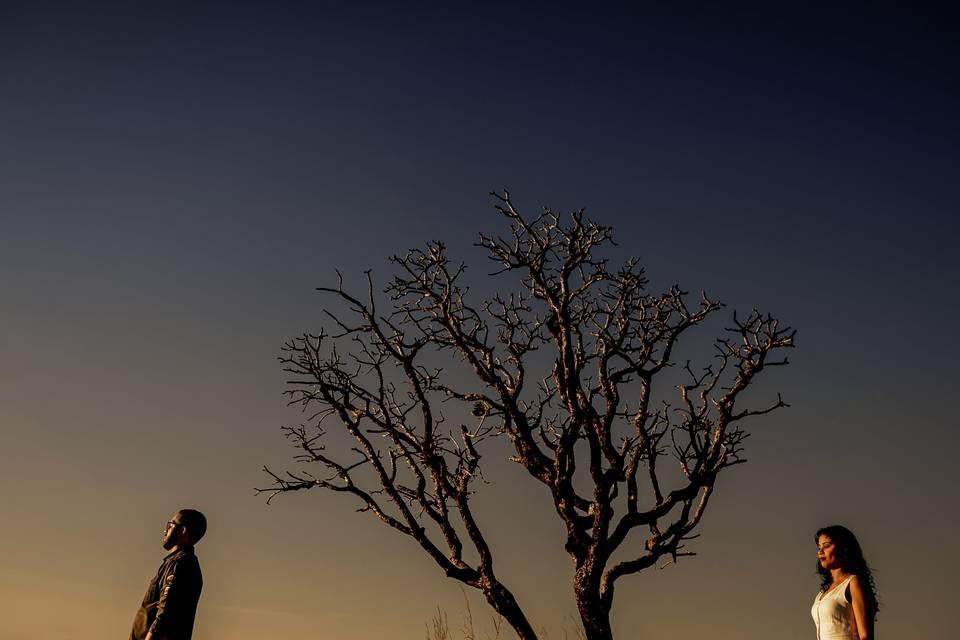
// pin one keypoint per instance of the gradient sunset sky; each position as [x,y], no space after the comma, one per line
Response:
[177,178]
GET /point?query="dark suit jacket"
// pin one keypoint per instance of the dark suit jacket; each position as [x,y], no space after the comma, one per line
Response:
[170,604]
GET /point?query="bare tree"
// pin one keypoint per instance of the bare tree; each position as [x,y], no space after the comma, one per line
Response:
[588,426]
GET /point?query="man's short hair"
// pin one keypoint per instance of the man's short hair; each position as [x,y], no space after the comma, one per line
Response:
[194,522]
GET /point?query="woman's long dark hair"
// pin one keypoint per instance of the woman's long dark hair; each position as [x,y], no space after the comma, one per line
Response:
[851,560]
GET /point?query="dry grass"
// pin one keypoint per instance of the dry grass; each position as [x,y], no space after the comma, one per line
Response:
[438,628]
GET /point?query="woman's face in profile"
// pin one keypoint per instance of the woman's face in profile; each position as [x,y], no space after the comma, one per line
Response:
[826,553]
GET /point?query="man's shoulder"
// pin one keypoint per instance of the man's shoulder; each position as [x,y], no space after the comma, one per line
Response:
[181,569]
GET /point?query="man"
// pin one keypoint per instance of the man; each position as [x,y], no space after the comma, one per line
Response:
[170,603]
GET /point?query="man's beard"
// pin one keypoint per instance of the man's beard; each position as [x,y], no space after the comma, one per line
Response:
[169,543]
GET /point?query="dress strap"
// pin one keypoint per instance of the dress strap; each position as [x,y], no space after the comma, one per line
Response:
[841,591]
[840,588]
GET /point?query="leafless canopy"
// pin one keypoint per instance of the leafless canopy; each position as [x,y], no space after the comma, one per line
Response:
[374,375]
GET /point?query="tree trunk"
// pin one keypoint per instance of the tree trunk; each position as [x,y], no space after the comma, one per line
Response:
[594,616]
[506,605]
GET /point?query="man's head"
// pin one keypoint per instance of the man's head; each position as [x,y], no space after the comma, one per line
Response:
[184,529]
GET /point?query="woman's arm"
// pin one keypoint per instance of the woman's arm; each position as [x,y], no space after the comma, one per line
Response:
[862,609]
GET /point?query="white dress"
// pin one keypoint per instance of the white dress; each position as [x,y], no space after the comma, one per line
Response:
[833,614]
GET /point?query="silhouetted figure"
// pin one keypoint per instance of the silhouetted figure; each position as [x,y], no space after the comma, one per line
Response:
[846,605]
[170,604]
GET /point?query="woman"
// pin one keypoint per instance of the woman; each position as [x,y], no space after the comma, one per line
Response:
[847,603]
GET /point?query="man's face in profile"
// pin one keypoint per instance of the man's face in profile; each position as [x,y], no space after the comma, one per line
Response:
[172,532]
